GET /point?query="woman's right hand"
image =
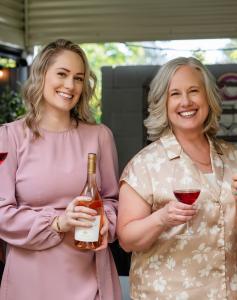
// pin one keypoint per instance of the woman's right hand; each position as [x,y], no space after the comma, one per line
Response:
[176,213]
[74,215]
[139,227]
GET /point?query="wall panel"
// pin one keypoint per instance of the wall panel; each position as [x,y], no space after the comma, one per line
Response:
[12,23]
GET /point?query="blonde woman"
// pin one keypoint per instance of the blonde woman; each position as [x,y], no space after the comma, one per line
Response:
[41,178]
[184,109]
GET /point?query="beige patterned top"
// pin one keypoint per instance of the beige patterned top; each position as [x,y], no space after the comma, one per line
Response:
[201,268]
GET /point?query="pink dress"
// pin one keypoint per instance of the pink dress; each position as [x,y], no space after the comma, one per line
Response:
[38,180]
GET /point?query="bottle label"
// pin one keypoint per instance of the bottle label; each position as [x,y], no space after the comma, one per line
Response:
[88,234]
[84,198]
[91,234]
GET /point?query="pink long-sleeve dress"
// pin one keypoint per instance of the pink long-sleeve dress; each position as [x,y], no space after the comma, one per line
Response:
[37,181]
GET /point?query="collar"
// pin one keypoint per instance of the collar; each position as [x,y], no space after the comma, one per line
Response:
[171,145]
[174,149]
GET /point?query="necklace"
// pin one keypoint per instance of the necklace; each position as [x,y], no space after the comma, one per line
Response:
[207,164]
[201,162]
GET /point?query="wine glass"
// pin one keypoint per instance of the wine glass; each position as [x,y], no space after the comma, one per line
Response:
[3,144]
[186,187]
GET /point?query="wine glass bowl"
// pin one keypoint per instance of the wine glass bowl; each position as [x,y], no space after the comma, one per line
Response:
[188,196]
[3,156]
[3,149]
[186,188]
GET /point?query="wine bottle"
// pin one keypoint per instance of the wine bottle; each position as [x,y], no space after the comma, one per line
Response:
[90,238]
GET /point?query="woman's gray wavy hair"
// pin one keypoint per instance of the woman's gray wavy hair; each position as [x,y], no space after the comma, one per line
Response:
[157,121]
[32,91]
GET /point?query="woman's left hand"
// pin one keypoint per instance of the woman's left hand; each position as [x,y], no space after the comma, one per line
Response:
[234,186]
[104,232]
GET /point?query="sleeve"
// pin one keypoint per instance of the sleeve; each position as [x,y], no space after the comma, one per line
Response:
[20,225]
[108,166]
[136,174]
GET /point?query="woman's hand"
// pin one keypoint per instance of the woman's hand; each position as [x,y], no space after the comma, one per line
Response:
[176,213]
[74,215]
[104,232]
[234,186]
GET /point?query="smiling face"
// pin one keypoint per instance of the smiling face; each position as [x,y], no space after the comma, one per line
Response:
[187,103]
[63,83]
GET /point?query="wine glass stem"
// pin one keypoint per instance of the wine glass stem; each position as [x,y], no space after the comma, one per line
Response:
[188,228]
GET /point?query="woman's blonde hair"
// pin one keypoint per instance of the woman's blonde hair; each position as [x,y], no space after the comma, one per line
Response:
[157,121]
[32,91]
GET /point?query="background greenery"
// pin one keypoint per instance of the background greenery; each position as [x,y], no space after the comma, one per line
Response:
[11,105]
[108,54]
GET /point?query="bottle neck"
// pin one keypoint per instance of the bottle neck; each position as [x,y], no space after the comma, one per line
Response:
[91,179]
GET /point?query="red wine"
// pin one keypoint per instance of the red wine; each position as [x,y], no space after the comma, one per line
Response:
[187,196]
[3,156]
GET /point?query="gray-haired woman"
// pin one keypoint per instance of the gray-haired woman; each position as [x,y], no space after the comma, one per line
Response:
[184,109]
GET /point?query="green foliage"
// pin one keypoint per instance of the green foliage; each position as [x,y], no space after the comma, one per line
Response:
[110,54]
[7,62]
[99,55]
[11,105]
[232,55]
[199,55]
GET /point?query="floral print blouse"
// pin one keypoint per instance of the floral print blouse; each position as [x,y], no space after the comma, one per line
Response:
[203,267]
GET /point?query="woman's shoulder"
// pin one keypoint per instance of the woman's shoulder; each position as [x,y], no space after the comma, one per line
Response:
[149,153]
[95,129]
[225,148]
[15,124]
[144,162]
[223,145]
[152,148]
[15,131]
[16,127]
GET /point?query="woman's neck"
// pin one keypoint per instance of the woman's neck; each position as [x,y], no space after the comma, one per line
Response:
[197,147]
[55,122]
[192,138]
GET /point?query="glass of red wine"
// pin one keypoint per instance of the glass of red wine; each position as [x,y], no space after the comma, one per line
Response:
[186,188]
[3,144]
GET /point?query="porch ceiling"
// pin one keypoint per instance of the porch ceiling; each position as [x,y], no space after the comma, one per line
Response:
[33,22]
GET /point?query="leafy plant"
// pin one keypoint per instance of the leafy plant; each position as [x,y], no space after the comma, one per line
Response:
[109,54]
[11,105]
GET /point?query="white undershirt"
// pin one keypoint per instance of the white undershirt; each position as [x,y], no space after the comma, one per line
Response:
[211,179]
